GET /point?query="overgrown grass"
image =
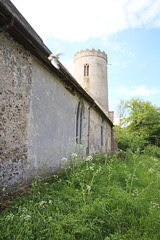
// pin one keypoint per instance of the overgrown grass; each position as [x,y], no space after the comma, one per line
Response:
[110,198]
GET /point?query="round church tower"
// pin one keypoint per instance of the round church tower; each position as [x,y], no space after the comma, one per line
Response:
[90,70]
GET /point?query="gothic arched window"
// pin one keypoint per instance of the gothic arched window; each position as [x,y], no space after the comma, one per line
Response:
[79,122]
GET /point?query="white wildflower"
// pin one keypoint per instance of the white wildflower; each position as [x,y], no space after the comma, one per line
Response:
[24,209]
[135,192]
[88,187]
[10,216]
[155,205]
[42,203]
[55,176]
[64,159]
[27,217]
[50,218]
[98,170]
[155,159]
[136,179]
[151,170]
[50,201]
[91,168]
[89,158]
[74,155]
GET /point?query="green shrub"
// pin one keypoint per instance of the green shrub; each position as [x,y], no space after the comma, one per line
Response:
[139,125]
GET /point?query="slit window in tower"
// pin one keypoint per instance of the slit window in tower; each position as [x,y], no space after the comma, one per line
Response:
[86,70]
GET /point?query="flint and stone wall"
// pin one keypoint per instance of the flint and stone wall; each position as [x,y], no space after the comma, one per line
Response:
[15,82]
[38,118]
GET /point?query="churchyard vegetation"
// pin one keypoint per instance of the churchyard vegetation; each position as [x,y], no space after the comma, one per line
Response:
[104,197]
[113,197]
[139,125]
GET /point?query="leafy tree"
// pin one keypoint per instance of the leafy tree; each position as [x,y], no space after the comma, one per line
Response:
[139,124]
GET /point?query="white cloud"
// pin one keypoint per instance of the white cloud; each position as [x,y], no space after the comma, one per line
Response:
[77,20]
[116,121]
[69,65]
[132,54]
[112,45]
[140,91]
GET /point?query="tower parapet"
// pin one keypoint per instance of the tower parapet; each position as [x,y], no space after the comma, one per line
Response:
[90,70]
[92,52]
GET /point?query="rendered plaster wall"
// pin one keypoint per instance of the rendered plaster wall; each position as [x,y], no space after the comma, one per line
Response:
[100,140]
[15,83]
[52,124]
[108,138]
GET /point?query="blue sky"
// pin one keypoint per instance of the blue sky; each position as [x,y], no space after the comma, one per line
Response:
[127,30]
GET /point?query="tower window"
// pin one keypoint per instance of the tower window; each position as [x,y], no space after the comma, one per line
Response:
[86,70]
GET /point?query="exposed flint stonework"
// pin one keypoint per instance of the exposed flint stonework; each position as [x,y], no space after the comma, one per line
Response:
[15,79]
